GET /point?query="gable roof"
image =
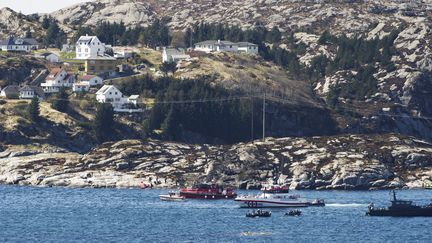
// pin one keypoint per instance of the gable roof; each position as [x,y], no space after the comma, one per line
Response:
[38,90]
[105,89]
[47,54]
[174,51]
[11,89]
[54,73]
[88,77]
[12,41]
[86,39]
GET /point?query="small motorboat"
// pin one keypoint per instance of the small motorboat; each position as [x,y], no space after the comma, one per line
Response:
[293,213]
[317,203]
[172,196]
[258,213]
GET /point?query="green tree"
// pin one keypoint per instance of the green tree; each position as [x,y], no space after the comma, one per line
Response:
[45,22]
[104,122]
[274,36]
[333,96]
[28,34]
[61,101]
[168,67]
[170,125]
[33,111]
[325,38]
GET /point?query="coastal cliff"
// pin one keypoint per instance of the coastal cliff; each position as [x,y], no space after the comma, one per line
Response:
[344,162]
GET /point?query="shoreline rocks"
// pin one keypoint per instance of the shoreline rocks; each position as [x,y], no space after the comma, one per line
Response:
[351,162]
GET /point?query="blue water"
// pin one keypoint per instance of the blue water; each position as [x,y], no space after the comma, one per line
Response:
[130,215]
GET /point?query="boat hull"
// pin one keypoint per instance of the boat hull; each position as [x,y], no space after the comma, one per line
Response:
[402,213]
[171,198]
[270,204]
[206,196]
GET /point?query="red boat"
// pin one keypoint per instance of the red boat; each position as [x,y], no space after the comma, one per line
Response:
[206,191]
[275,189]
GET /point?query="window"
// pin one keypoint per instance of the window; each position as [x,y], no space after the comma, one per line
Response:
[110,93]
[116,93]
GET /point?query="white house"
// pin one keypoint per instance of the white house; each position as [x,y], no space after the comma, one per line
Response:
[173,55]
[80,87]
[247,47]
[19,44]
[111,94]
[216,46]
[28,92]
[92,80]
[123,54]
[133,99]
[226,46]
[89,47]
[57,78]
[51,57]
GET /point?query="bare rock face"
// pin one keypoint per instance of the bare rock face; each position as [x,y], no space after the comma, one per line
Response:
[17,24]
[344,162]
[92,13]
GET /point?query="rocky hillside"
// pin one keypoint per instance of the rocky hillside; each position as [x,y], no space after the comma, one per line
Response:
[17,24]
[344,16]
[345,162]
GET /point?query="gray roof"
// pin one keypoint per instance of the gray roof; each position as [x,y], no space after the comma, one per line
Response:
[38,90]
[11,89]
[215,42]
[85,39]
[243,44]
[47,54]
[12,41]
[174,51]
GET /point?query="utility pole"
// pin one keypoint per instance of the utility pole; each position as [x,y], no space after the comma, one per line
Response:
[252,119]
[263,116]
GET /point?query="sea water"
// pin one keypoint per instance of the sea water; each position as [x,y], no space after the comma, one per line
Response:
[30,214]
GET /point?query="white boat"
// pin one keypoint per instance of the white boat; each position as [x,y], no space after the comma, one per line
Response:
[172,196]
[271,200]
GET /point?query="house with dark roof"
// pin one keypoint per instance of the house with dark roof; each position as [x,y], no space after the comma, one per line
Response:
[226,46]
[19,44]
[174,55]
[10,92]
[51,57]
[28,92]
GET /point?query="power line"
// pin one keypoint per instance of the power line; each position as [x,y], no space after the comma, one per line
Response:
[254,96]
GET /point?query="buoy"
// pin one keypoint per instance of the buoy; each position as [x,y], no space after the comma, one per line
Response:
[213,197]
[205,196]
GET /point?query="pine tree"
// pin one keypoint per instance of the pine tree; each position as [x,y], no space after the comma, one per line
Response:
[333,96]
[33,111]
[61,101]
[104,122]
[168,67]
[169,126]
[45,22]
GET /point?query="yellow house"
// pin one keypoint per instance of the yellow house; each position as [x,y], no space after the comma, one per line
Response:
[100,66]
